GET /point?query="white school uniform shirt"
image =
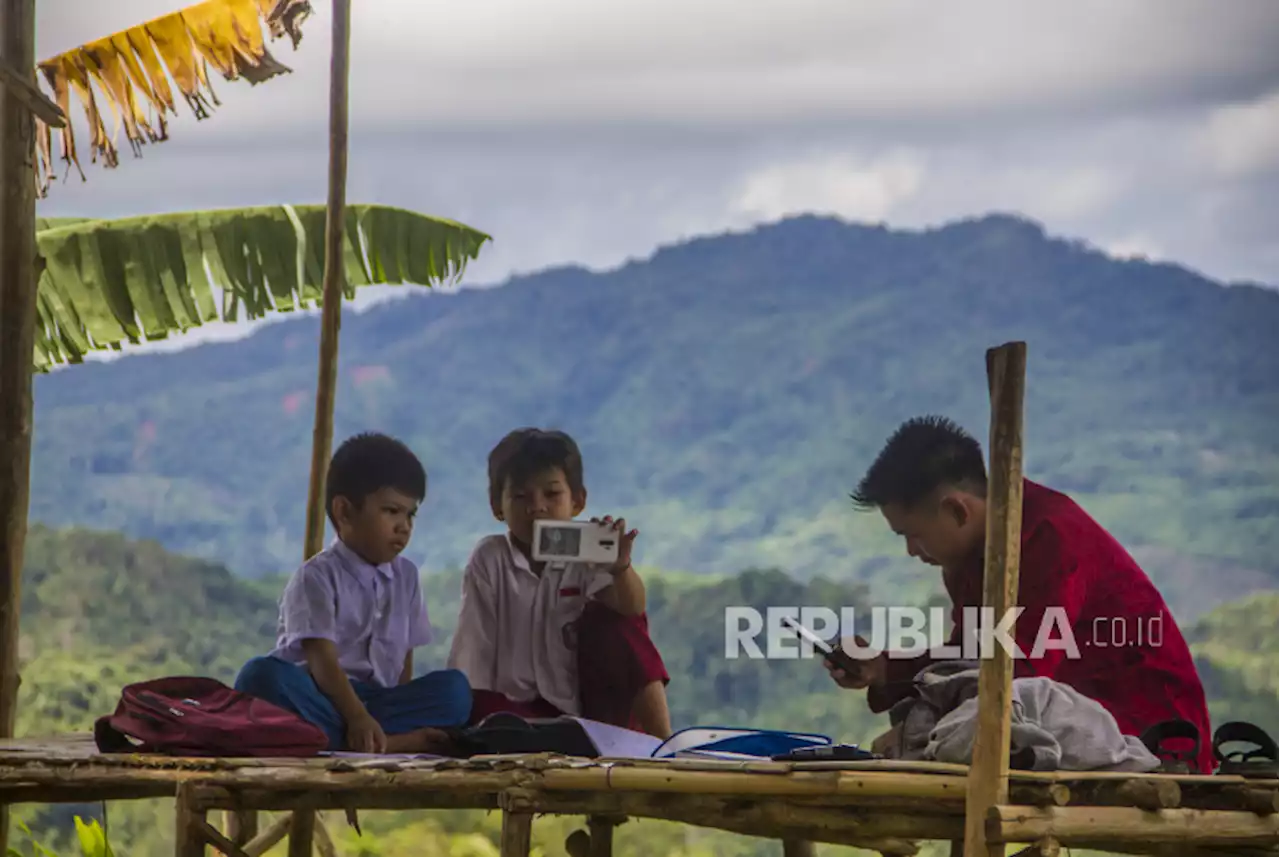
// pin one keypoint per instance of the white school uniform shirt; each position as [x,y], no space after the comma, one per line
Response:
[514,634]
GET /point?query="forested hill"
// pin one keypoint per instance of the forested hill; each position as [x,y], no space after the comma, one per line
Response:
[728,392]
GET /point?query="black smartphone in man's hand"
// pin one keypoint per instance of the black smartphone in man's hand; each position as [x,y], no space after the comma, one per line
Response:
[831,652]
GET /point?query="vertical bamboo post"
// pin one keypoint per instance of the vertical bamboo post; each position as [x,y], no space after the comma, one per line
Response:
[17,343]
[601,829]
[331,313]
[989,771]
[517,833]
[302,833]
[187,839]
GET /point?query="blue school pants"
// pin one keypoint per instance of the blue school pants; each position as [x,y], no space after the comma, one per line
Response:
[440,699]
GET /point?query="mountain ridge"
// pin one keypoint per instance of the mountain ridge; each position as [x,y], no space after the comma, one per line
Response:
[727,391]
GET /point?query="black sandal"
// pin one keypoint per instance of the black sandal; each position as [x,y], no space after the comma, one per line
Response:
[1172,761]
[1254,764]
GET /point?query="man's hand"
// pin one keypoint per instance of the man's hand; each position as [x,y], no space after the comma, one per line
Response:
[885,743]
[364,735]
[869,672]
[625,541]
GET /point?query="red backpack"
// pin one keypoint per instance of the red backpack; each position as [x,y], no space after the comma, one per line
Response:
[194,716]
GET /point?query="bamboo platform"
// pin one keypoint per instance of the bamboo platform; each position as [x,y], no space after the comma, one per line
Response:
[884,806]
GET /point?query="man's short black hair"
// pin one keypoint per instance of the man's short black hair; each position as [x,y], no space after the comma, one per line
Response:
[526,452]
[924,454]
[369,462]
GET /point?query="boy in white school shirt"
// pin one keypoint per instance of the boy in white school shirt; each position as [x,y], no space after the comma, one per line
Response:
[351,616]
[545,639]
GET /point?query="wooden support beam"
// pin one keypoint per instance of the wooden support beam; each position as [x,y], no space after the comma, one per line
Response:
[27,92]
[324,842]
[1044,848]
[331,311]
[302,833]
[988,779]
[213,836]
[188,825]
[77,794]
[517,834]
[870,784]
[269,838]
[601,830]
[17,344]
[242,825]
[871,828]
[1149,794]
[1079,827]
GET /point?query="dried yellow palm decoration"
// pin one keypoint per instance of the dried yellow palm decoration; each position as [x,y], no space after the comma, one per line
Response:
[127,71]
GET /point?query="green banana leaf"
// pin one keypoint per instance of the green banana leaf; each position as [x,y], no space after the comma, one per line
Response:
[108,282]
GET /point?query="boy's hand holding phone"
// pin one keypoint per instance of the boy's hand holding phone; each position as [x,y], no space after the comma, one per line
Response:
[625,540]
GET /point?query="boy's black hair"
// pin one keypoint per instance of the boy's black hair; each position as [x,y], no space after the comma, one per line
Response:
[526,452]
[921,456]
[369,462]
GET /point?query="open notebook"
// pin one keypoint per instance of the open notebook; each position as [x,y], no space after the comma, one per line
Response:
[701,742]
[696,742]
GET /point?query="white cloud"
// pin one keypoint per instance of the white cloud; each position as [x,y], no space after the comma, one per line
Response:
[1137,246]
[845,186]
[709,62]
[586,132]
[1243,139]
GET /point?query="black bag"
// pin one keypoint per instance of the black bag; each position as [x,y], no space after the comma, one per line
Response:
[504,733]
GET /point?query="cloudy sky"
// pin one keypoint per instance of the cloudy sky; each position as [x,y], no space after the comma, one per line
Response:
[580,131]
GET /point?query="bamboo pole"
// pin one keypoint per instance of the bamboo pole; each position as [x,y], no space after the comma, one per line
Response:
[517,834]
[242,825]
[37,103]
[601,830]
[269,838]
[302,833]
[324,842]
[17,344]
[924,787]
[188,835]
[331,311]
[213,836]
[1080,826]
[989,774]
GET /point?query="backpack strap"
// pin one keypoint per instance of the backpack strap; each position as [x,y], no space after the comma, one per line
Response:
[109,739]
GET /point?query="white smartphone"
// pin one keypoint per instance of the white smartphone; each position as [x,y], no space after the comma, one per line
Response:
[575,541]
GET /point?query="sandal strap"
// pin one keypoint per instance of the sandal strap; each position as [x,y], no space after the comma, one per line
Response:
[1245,733]
[1154,737]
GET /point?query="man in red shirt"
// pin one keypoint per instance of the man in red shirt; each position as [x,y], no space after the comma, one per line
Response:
[929,483]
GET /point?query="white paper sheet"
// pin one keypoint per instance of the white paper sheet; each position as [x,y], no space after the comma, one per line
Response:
[614,742]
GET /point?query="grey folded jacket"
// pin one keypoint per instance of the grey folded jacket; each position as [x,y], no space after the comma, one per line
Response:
[1053,726]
